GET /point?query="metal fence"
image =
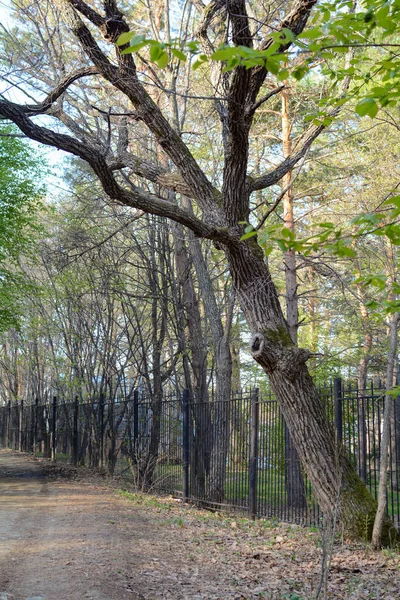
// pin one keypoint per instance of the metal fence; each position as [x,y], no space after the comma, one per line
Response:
[235,453]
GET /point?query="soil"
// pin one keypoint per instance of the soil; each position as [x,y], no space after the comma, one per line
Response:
[68,535]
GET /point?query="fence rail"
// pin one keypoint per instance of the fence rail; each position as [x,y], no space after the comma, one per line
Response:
[235,453]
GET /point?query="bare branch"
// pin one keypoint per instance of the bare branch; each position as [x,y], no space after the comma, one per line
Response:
[125,79]
[88,12]
[46,104]
[274,176]
[136,197]
[151,172]
[252,109]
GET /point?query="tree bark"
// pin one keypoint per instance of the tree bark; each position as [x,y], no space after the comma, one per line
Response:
[202,437]
[378,532]
[329,471]
[296,494]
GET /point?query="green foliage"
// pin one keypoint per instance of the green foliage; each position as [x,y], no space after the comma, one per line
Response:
[21,190]
[335,28]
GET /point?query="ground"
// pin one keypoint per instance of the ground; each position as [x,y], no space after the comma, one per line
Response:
[78,537]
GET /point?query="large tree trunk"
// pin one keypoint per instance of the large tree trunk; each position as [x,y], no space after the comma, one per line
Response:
[336,485]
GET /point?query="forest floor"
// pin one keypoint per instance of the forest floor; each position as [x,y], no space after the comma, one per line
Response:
[68,535]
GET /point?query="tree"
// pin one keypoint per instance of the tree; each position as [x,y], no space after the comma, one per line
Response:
[20,199]
[220,211]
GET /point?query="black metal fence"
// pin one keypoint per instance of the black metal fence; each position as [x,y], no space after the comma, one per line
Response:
[235,453]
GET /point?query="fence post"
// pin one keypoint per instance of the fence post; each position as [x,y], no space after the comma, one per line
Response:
[136,425]
[75,456]
[54,430]
[20,425]
[337,395]
[35,424]
[8,423]
[253,470]
[101,430]
[185,440]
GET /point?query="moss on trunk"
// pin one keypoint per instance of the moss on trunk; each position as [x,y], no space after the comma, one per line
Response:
[358,509]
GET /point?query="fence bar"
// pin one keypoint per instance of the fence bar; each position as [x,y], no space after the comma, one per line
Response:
[35,424]
[337,395]
[253,454]
[20,426]
[101,430]
[75,450]
[136,424]
[8,424]
[186,457]
[54,431]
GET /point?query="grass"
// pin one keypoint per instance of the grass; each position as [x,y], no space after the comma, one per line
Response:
[271,486]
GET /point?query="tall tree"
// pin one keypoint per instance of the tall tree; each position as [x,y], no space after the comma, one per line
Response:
[220,212]
[21,193]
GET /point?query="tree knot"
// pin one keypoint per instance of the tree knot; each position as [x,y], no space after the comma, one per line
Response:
[112,29]
[257,344]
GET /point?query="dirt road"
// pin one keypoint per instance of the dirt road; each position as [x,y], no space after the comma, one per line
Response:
[79,540]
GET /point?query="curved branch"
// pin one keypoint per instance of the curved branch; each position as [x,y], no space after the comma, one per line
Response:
[88,12]
[272,177]
[151,172]
[46,104]
[296,21]
[124,78]
[135,198]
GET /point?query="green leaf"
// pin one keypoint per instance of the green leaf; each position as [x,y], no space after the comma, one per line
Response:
[283,74]
[200,61]
[327,225]
[162,61]
[300,72]
[224,53]
[367,107]
[248,235]
[395,200]
[155,52]
[193,46]
[310,34]
[137,39]
[272,66]
[178,54]
[135,48]
[288,35]
[124,38]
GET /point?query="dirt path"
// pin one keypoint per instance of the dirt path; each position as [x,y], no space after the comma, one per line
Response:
[63,540]
[78,540]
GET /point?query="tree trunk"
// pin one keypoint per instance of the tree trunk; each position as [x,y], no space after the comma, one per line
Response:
[330,473]
[381,516]
[362,372]
[223,376]
[201,440]
[296,493]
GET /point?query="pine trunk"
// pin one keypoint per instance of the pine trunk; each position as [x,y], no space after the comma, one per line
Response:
[296,494]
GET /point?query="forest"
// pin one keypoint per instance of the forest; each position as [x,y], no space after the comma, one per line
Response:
[203,198]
